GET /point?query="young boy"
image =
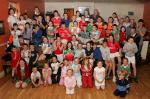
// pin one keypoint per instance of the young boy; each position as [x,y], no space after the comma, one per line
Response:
[130,48]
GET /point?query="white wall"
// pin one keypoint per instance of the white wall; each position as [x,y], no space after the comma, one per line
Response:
[105,8]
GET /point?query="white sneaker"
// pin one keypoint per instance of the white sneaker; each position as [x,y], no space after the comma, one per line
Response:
[114,79]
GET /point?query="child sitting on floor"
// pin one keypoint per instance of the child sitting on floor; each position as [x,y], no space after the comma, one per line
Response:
[70,82]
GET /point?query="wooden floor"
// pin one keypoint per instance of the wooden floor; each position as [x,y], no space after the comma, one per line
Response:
[138,91]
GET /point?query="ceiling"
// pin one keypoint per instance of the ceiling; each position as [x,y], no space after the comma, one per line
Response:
[95,0]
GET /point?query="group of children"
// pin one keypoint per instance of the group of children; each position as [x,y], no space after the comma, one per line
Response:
[79,52]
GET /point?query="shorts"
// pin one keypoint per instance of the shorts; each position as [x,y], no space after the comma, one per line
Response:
[113,55]
[131,59]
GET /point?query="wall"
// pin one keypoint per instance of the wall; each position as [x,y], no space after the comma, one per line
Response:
[147,15]
[3,38]
[105,8]
[27,5]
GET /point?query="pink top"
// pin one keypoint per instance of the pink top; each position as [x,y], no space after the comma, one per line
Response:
[70,82]
[64,70]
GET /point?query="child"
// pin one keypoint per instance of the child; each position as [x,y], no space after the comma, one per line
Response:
[115,32]
[74,41]
[122,35]
[130,48]
[15,57]
[84,36]
[75,30]
[99,75]
[70,82]
[27,33]
[79,52]
[35,77]
[121,89]
[82,22]
[106,57]
[95,34]
[46,72]
[114,53]
[25,53]
[86,70]
[15,33]
[56,19]
[69,52]
[51,32]
[126,67]
[64,69]
[90,25]
[22,74]
[76,68]
[56,70]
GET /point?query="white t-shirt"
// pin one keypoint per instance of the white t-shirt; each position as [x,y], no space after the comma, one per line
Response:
[35,75]
[11,20]
[55,67]
[79,53]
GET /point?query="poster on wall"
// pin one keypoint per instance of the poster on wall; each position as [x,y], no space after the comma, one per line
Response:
[81,9]
[1,27]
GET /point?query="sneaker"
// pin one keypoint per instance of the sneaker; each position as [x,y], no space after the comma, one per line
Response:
[114,79]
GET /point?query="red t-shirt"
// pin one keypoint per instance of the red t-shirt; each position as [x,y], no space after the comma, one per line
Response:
[64,33]
[122,36]
[56,21]
[82,23]
[58,51]
[103,33]
[114,47]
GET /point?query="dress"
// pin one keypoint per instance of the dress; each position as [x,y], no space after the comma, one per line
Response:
[15,57]
[87,80]
[99,75]
[47,72]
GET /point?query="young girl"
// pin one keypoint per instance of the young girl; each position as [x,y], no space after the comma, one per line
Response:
[122,35]
[89,50]
[15,33]
[69,52]
[82,22]
[47,72]
[15,57]
[106,57]
[70,82]
[78,16]
[90,25]
[76,68]
[99,24]
[121,88]
[56,70]
[116,19]
[64,69]
[22,73]
[114,53]
[99,75]
[86,70]
[56,19]
[51,32]
[86,15]
[35,77]
[130,48]
[58,49]
[75,30]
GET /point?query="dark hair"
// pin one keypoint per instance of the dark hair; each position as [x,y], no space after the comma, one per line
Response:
[71,46]
[122,27]
[10,10]
[125,58]
[95,26]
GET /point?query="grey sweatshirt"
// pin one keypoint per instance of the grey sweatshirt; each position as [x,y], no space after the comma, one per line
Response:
[130,49]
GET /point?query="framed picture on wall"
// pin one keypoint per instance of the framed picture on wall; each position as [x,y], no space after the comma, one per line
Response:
[81,9]
[1,27]
[69,12]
